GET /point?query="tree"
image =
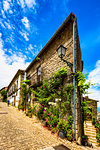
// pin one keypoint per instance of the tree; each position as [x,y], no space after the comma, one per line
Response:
[4,95]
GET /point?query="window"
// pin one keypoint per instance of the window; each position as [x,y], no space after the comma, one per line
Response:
[38,73]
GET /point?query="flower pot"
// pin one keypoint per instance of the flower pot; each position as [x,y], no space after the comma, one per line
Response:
[69,138]
[61,134]
[30,115]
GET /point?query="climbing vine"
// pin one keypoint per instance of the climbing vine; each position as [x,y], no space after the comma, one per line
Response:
[25,90]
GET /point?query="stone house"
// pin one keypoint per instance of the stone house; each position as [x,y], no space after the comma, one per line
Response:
[92,106]
[49,62]
[13,91]
[4,88]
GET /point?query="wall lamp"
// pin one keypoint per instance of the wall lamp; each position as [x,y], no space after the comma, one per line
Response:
[61,51]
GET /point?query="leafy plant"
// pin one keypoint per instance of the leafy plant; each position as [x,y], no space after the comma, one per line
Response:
[83,85]
[69,134]
[62,126]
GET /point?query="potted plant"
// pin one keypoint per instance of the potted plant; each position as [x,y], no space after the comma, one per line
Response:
[62,127]
[93,121]
[84,140]
[98,137]
[69,135]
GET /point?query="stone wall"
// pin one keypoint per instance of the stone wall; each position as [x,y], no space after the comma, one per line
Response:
[91,104]
[50,62]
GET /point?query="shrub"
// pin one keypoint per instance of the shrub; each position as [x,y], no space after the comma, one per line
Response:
[62,126]
[34,110]
[69,134]
[98,137]
[93,121]
[20,106]
[39,112]
[70,120]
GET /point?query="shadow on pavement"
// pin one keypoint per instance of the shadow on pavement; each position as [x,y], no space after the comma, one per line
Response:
[61,147]
[3,113]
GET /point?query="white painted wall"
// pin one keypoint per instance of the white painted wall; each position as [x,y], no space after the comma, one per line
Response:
[18,92]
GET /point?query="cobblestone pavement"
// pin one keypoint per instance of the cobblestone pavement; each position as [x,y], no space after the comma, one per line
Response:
[18,132]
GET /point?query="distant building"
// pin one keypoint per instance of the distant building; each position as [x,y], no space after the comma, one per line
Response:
[13,91]
[4,88]
[92,105]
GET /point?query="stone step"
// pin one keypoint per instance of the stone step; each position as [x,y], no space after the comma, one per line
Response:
[90,135]
[92,138]
[92,141]
[90,126]
[89,130]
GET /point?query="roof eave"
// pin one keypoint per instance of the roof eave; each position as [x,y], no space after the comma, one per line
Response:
[52,38]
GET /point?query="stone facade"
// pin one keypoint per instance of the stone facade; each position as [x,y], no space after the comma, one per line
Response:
[92,105]
[13,92]
[50,62]
[4,88]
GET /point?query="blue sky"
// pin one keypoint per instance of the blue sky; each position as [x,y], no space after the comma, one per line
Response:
[27,25]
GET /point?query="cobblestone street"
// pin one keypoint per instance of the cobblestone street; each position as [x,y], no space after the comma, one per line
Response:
[18,132]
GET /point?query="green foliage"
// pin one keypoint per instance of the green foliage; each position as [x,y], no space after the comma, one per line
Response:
[37,58]
[52,89]
[85,110]
[97,126]
[70,120]
[24,91]
[29,108]
[93,121]
[84,137]
[98,137]
[34,109]
[66,127]
[4,95]
[82,82]
[39,112]
[62,126]
[20,106]
[69,134]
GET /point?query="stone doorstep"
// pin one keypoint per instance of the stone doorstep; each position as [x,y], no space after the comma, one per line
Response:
[48,148]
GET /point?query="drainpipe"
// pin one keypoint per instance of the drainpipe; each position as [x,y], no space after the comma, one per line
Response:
[74,78]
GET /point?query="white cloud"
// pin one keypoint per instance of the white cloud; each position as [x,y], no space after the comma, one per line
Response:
[30,3]
[7,25]
[94,77]
[3,14]
[21,2]
[6,5]
[94,93]
[25,34]
[9,65]
[25,21]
